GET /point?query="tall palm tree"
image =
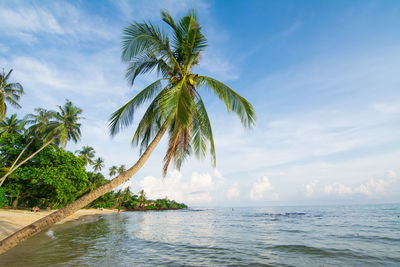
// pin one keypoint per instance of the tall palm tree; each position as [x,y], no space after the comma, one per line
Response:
[12,125]
[113,170]
[98,164]
[9,92]
[121,169]
[87,154]
[175,105]
[61,129]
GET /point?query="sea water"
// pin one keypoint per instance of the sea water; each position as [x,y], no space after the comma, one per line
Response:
[362,235]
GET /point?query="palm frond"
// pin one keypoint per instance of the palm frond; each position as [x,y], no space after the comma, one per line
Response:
[124,116]
[233,101]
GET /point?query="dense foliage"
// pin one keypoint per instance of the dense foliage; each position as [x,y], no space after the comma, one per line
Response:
[125,200]
[56,177]
[52,179]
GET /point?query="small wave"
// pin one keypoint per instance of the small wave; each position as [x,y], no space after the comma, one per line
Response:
[274,215]
[302,249]
[368,238]
[50,234]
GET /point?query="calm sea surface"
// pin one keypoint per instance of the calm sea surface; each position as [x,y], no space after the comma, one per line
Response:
[278,236]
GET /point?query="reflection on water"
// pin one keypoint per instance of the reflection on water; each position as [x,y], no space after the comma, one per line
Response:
[291,236]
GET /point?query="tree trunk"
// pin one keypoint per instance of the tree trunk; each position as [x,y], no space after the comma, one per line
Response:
[15,203]
[25,160]
[60,214]
[22,152]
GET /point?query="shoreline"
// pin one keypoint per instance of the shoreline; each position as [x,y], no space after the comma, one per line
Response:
[12,220]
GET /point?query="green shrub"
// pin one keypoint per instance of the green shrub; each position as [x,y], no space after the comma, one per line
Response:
[3,199]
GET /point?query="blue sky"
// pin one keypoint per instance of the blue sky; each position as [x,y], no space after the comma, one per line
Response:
[322,75]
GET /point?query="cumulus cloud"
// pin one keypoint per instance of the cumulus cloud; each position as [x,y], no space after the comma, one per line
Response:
[259,188]
[200,188]
[377,186]
[373,187]
[309,188]
[337,189]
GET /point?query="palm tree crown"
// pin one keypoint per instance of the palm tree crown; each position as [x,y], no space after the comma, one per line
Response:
[39,121]
[121,169]
[65,127]
[113,170]
[87,154]
[174,98]
[12,125]
[9,92]
[98,164]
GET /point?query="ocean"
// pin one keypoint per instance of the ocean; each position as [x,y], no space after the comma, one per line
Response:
[358,235]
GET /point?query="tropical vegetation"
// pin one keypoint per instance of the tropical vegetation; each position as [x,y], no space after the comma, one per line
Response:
[56,176]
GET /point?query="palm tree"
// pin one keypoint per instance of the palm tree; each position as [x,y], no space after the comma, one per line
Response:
[142,198]
[39,123]
[98,164]
[61,129]
[113,170]
[12,125]
[9,92]
[87,154]
[40,120]
[127,195]
[118,199]
[121,169]
[175,105]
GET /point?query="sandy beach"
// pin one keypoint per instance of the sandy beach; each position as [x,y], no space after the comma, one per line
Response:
[13,220]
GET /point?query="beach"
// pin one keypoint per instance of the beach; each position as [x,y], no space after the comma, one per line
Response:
[13,220]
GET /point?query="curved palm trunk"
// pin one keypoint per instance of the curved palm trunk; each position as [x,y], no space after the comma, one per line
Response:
[60,214]
[25,160]
[20,154]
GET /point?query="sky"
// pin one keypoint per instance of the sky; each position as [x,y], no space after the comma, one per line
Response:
[323,76]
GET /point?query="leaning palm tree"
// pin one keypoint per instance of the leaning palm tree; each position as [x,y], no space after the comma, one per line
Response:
[98,164]
[87,154]
[9,93]
[63,127]
[113,170]
[175,105]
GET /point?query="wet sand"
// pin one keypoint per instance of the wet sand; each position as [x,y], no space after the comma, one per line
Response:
[14,220]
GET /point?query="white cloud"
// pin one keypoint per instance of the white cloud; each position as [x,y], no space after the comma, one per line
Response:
[260,186]
[29,19]
[220,67]
[377,186]
[371,188]
[200,188]
[337,189]
[309,188]
[57,18]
